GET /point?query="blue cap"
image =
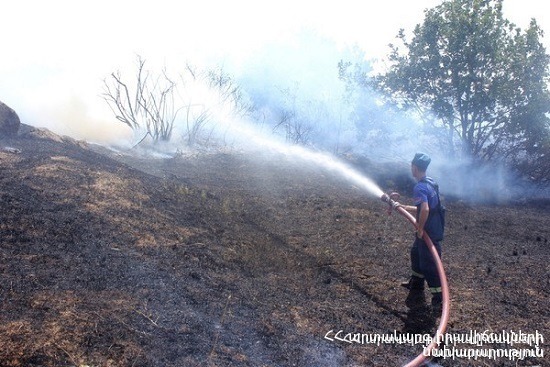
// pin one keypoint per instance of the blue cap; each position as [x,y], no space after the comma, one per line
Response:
[421,160]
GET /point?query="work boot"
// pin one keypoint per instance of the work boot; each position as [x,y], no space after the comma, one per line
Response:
[437,303]
[414,283]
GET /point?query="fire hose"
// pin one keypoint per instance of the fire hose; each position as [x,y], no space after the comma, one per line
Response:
[443,278]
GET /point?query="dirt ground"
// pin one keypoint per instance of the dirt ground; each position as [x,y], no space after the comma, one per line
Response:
[114,259]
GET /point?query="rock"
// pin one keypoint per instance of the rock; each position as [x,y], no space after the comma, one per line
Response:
[11,150]
[9,121]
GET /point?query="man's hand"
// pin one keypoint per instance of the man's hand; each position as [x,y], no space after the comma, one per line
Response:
[420,233]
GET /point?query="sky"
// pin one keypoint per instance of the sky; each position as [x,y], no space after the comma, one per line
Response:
[55,54]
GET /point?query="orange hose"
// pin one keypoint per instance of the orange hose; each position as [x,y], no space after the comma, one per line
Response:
[444,290]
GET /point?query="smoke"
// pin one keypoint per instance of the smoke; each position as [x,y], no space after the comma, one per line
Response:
[296,98]
[295,90]
[218,112]
[299,97]
[47,96]
[80,120]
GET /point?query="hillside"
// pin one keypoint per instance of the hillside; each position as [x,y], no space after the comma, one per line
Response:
[113,259]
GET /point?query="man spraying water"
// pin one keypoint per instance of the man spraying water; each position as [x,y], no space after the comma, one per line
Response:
[430,220]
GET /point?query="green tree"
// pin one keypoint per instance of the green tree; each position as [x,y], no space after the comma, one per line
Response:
[476,75]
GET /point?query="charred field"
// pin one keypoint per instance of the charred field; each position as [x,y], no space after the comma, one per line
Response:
[110,259]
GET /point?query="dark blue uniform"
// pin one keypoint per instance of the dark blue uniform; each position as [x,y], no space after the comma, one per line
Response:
[422,263]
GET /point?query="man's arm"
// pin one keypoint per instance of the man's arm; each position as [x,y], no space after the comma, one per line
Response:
[409,208]
[422,218]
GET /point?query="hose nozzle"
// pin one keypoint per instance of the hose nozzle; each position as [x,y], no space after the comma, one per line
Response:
[391,200]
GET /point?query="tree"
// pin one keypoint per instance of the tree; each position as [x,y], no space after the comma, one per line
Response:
[149,105]
[484,80]
[208,97]
[156,105]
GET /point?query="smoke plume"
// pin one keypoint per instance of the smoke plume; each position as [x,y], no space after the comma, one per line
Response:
[289,92]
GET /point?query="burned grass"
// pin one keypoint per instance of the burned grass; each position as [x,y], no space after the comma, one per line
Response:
[223,260]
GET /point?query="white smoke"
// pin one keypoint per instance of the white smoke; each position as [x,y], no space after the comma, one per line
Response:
[282,81]
[290,77]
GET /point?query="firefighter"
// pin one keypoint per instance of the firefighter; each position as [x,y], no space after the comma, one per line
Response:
[430,220]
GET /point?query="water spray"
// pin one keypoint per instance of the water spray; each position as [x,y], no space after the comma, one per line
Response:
[391,200]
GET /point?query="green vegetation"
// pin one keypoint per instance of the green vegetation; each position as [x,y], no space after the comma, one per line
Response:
[479,79]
